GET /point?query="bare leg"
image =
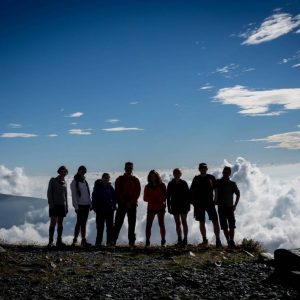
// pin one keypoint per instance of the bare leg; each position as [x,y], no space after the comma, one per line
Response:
[202,229]
[150,218]
[178,226]
[161,223]
[231,234]
[216,229]
[184,225]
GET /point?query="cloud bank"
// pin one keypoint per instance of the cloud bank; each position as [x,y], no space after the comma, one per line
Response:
[12,135]
[260,103]
[287,140]
[269,209]
[272,27]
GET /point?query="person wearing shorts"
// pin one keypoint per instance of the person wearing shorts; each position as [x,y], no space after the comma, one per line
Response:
[203,191]
[226,189]
[58,205]
[178,200]
[155,193]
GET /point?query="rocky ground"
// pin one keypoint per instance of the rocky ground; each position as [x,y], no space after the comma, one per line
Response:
[34,272]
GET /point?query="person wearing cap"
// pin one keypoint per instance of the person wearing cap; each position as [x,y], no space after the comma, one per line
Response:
[203,192]
[58,205]
[81,199]
[128,190]
[226,189]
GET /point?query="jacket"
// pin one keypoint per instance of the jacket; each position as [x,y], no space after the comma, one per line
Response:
[57,193]
[103,197]
[82,198]
[178,197]
[155,196]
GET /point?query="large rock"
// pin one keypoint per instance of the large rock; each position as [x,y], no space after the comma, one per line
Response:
[287,260]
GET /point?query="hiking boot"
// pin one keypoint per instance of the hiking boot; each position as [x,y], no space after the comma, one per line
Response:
[218,243]
[204,243]
[147,244]
[231,244]
[74,242]
[184,242]
[84,243]
[60,244]
[50,245]
[179,243]
[131,244]
[163,243]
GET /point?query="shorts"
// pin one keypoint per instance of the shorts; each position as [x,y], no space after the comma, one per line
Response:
[199,213]
[58,211]
[226,217]
[156,211]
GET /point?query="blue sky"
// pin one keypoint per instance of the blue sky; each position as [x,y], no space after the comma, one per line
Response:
[161,83]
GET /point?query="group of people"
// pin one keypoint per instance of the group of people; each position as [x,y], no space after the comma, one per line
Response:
[112,204]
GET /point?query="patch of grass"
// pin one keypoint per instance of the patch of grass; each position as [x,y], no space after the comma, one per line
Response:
[252,246]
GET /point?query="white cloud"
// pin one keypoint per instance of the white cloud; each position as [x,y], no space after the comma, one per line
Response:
[80,131]
[52,135]
[248,70]
[232,70]
[269,209]
[117,129]
[226,69]
[287,140]
[17,135]
[258,103]
[273,27]
[134,103]
[75,115]
[207,86]
[14,125]
[112,121]
[296,66]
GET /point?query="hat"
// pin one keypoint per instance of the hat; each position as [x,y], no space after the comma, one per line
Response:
[202,165]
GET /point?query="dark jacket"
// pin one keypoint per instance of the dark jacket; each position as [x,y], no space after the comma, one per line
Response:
[103,197]
[128,190]
[178,197]
[202,190]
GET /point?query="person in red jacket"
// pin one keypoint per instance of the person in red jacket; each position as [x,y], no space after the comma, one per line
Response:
[128,190]
[155,193]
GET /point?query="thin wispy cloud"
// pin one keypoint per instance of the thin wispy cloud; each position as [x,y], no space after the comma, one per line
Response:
[17,135]
[232,70]
[207,86]
[134,103]
[260,102]
[75,115]
[73,123]
[296,66]
[119,129]
[14,125]
[287,140]
[52,135]
[294,58]
[80,131]
[112,121]
[271,28]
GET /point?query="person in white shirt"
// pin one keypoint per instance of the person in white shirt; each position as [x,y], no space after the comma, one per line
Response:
[81,199]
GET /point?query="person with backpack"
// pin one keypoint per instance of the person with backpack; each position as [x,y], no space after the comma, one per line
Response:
[178,200]
[81,199]
[58,205]
[155,194]
[226,189]
[128,190]
[104,205]
[203,192]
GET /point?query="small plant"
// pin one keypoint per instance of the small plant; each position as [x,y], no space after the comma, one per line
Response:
[252,246]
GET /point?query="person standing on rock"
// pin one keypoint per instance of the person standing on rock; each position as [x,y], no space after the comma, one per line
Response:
[58,205]
[81,200]
[202,192]
[226,189]
[128,190]
[178,200]
[155,193]
[104,204]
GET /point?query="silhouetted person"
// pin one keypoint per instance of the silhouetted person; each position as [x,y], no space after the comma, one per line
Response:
[202,189]
[58,205]
[226,189]
[155,193]
[178,200]
[128,189]
[104,205]
[81,199]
